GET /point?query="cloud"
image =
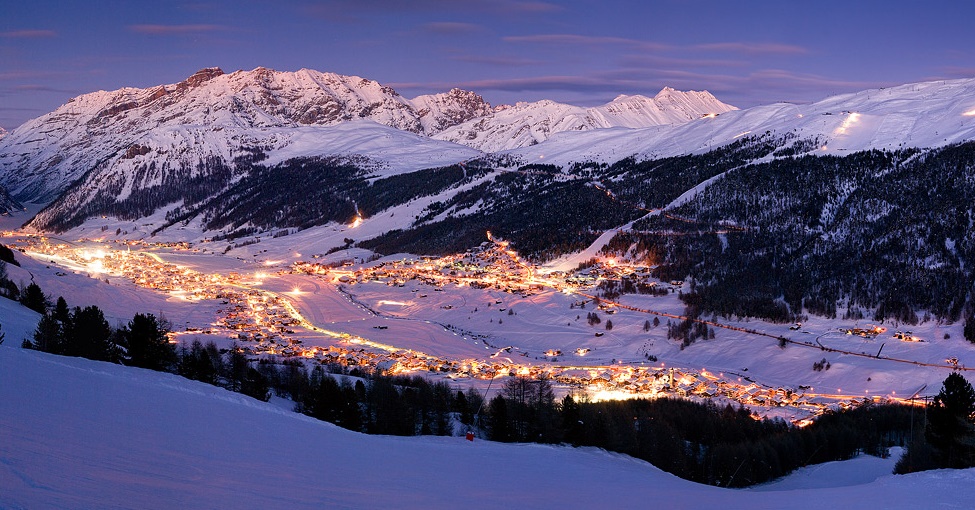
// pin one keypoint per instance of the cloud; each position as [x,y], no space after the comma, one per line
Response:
[496,61]
[174,29]
[656,61]
[586,40]
[957,72]
[355,9]
[41,88]
[451,28]
[753,48]
[31,75]
[28,34]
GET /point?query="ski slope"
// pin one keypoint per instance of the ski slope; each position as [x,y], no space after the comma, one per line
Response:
[83,434]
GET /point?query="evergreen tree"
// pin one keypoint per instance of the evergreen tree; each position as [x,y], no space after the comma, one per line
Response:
[461,408]
[500,427]
[950,429]
[87,335]
[61,311]
[236,367]
[48,336]
[32,297]
[255,385]
[147,345]
[572,421]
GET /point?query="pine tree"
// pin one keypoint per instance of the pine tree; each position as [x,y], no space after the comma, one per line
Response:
[236,367]
[147,344]
[32,297]
[950,429]
[500,429]
[49,336]
[61,311]
[255,385]
[87,335]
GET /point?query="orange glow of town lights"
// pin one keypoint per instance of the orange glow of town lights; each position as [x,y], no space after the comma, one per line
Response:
[356,222]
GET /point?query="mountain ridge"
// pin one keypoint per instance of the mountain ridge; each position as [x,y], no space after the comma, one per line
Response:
[527,124]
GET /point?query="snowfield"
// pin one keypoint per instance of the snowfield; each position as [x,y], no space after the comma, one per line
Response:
[83,434]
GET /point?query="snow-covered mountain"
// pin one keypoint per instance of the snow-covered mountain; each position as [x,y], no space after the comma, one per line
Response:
[169,149]
[923,115]
[527,124]
[210,115]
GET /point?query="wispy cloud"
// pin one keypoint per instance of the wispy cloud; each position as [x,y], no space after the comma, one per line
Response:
[41,88]
[586,40]
[356,9]
[496,61]
[656,61]
[28,34]
[724,47]
[451,28]
[31,75]
[958,72]
[753,48]
[175,29]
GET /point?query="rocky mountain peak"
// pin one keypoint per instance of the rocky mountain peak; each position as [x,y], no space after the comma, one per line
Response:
[202,76]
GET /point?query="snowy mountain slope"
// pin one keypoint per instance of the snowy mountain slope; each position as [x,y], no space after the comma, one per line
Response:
[139,439]
[7,203]
[923,115]
[208,115]
[527,124]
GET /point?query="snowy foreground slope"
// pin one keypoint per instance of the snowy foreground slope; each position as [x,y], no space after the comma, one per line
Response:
[81,434]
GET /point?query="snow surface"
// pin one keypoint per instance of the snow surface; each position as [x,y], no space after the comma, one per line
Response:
[83,434]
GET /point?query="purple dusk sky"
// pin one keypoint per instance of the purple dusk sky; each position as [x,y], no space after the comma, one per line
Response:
[582,52]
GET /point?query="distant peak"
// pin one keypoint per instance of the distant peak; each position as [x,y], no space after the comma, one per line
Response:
[203,75]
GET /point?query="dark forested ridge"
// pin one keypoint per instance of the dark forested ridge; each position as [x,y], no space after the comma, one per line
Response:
[886,234]
[546,212]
